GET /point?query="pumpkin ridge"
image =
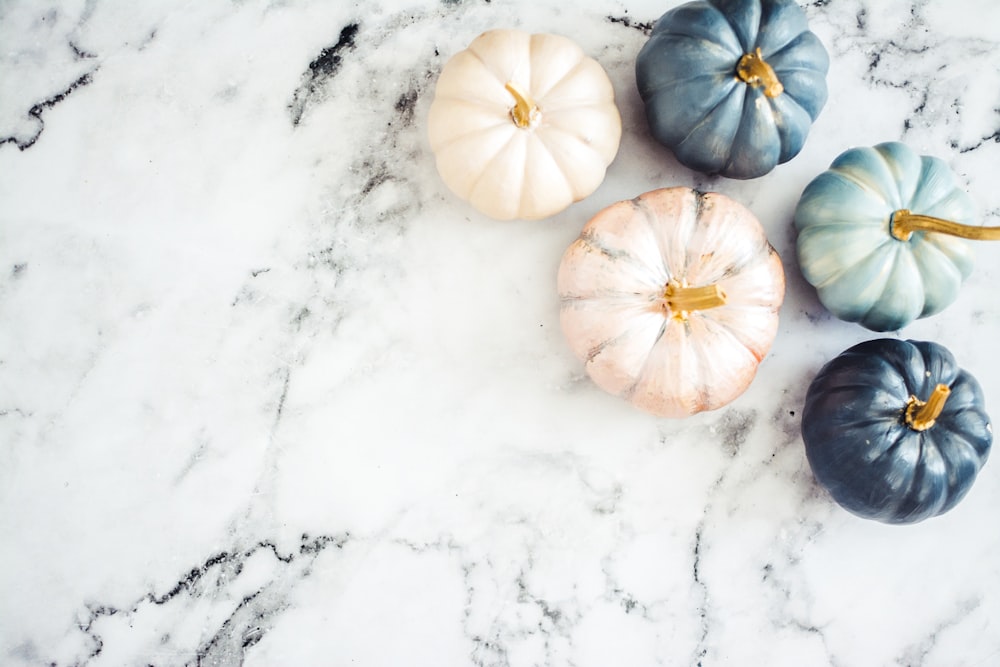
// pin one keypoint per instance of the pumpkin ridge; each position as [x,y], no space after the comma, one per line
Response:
[596,350]
[629,391]
[483,103]
[606,297]
[908,362]
[670,25]
[556,155]
[704,43]
[847,268]
[864,185]
[879,415]
[687,80]
[489,163]
[648,216]
[706,397]
[848,361]
[844,226]
[687,122]
[759,255]
[501,77]
[900,161]
[939,363]
[540,94]
[935,267]
[466,135]
[555,111]
[903,436]
[721,328]
[927,166]
[962,459]
[749,125]
[496,75]
[901,261]
[965,394]
[782,51]
[581,57]
[705,119]
[747,41]
[963,445]
[790,98]
[927,451]
[592,240]
[677,357]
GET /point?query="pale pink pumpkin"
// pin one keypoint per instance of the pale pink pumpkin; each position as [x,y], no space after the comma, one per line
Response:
[671,299]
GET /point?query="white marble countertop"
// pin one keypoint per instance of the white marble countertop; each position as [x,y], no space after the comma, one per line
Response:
[271,395]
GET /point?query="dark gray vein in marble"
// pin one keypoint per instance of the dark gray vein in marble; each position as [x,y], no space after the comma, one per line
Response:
[253,615]
[39,108]
[321,70]
[645,27]
[917,655]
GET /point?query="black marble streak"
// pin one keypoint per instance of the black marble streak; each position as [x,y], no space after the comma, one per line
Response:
[323,68]
[249,621]
[645,27]
[37,109]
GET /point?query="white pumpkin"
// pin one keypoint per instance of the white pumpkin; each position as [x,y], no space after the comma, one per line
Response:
[671,299]
[523,125]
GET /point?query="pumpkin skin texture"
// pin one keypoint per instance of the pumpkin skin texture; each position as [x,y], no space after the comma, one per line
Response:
[698,106]
[568,140]
[862,449]
[862,272]
[615,283]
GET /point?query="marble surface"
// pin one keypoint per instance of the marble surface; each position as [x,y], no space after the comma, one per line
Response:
[270,395]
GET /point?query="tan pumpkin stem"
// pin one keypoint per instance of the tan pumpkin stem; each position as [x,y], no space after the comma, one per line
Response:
[903,224]
[752,69]
[920,416]
[683,299]
[525,112]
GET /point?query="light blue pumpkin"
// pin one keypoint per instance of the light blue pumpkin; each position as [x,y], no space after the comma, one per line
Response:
[700,77]
[862,272]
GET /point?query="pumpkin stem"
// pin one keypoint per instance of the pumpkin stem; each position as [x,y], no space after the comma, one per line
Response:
[902,224]
[681,299]
[525,112]
[920,416]
[753,70]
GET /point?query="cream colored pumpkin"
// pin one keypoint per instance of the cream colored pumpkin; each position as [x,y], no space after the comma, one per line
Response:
[671,300]
[523,125]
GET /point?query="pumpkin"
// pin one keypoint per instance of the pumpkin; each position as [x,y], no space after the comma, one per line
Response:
[895,430]
[671,300]
[523,125]
[732,86]
[878,236]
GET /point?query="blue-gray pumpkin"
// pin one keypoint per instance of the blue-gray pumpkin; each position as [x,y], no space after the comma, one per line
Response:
[895,430]
[878,236]
[732,86]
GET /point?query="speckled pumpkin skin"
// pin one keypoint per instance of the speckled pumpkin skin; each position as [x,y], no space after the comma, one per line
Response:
[860,447]
[612,281]
[714,122]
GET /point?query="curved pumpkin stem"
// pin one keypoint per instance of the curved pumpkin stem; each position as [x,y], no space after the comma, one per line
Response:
[525,112]
[753,70]
[902,224]
[682,299]
[920,416]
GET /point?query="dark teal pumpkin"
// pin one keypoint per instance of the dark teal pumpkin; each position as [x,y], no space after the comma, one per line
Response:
[706,78]
[872,437]
[847,249]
